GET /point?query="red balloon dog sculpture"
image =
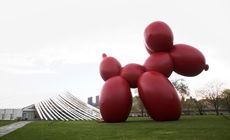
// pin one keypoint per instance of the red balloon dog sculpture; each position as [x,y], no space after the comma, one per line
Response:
[155,90]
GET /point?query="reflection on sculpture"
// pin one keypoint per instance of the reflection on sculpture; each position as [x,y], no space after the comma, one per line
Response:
[155,90]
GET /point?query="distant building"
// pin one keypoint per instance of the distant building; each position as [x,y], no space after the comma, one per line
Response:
[63,107]
[95,104]
[10,114]
[30,113]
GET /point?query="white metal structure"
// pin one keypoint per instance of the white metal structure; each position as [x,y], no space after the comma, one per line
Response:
[66,107]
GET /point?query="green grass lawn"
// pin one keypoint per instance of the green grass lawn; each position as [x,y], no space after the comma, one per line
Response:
[188,127]
[5,122]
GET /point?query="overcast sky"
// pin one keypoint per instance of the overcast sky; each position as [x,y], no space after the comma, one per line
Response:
[48,47]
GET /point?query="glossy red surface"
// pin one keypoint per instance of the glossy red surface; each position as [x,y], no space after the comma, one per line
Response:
[158,37]
[160,62]
[148,50]
[159,97]
[188,61]
[115,100]
[131,72]
[109,67]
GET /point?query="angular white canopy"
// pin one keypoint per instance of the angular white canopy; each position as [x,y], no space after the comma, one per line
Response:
[66,107]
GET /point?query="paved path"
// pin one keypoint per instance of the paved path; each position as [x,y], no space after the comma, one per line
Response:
[11,127]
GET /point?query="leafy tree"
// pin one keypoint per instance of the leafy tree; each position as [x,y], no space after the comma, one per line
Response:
[138,105]
[226,99]
[135,107]
[183,90]
[182,87]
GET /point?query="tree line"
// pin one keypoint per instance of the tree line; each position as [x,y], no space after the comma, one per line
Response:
[211,98]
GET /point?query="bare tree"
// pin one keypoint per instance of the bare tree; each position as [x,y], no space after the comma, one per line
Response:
[189,106]
[226,99]
[212,93]
[200,105]
[200,102]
